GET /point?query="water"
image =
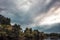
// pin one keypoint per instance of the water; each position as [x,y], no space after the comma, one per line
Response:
[51,39]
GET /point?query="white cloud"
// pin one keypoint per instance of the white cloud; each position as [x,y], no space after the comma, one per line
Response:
[51,18]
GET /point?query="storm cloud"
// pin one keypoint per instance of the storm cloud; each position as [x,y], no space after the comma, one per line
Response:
[24,12]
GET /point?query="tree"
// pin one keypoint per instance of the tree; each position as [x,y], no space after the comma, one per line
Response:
[28,34]
[16,31]
[4,20]
[36,34]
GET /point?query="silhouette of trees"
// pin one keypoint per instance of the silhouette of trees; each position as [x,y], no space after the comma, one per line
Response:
[28,34]
[4,20]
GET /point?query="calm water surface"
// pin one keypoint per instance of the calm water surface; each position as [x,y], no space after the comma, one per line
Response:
[52,39]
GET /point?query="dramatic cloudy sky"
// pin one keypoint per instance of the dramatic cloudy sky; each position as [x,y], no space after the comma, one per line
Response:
[43,15]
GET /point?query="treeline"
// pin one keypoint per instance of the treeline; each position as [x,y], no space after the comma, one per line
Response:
[4,20]
[14,32]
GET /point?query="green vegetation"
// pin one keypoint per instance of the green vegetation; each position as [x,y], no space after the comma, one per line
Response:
[14,32]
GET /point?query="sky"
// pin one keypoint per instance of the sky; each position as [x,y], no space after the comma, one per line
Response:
[43,15]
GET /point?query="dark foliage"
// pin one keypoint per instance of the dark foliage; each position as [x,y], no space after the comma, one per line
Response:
[4,20]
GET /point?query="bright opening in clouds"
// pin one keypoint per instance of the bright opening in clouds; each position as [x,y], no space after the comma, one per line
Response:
[51,17]
[32,13]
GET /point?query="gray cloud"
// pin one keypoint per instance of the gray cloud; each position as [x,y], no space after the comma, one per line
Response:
[22,17]
[51,4]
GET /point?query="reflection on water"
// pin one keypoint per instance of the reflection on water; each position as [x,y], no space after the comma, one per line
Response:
[51,39]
